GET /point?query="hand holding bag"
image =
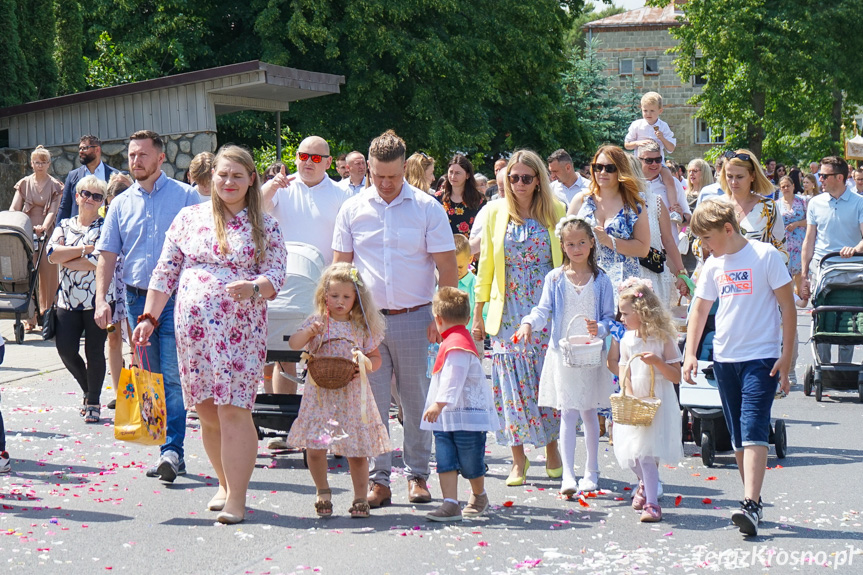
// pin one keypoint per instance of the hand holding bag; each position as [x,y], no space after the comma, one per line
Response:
[141,414]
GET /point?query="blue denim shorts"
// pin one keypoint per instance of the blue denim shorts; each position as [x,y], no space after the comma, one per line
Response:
[462,451]
[747,390]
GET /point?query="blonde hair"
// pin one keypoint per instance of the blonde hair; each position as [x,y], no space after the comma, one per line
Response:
[542,207]
[652,98]
[629,176]
[761,186]
[40,151]
[254,209]
[706,177]
[713,214]
[656,322]
[462,245]
[451,305]
[117,184]
[415,170]
[814,181]
[364,315]
[201,169]
[90,182]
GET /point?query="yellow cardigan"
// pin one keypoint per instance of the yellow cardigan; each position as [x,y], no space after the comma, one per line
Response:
[491,280]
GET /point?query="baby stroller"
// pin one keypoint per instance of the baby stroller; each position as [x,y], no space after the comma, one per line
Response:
[837,319]
[702,406]
[285,314]
[18,276]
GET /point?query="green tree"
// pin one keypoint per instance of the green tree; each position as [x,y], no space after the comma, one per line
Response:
[575,36]
[37,31]
[604,114]
[110,67]
[775,69]
[69,47]
[12,61]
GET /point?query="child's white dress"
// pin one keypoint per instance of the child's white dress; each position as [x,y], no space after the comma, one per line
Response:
[662,439]
[582,388]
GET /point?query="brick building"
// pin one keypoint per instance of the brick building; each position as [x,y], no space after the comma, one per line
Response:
[634,45]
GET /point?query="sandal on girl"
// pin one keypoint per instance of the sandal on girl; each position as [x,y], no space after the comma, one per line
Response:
[83,409]
[323,507]
[360,508]
[93,413]
[638,500]
[651,513]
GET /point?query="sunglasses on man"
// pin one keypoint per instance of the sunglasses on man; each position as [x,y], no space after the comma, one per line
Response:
[649,161]
[316,158]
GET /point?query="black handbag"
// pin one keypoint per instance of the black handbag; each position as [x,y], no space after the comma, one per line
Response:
[49,323]
[655,261]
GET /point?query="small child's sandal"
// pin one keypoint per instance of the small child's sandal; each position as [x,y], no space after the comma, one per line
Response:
[360,509]
[323,507]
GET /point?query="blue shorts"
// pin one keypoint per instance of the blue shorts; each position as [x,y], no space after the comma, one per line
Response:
[747,390]
[462,451]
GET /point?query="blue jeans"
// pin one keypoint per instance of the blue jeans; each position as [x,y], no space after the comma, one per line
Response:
[162,357]
[747,390]
[462,451]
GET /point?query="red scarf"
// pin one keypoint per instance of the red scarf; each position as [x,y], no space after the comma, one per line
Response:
[456,337]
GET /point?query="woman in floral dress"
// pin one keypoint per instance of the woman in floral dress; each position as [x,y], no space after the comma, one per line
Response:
[459,195]
[793,210]
[224,259]
[518,250]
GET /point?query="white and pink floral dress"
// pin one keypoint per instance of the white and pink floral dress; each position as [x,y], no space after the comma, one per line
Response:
[221,343]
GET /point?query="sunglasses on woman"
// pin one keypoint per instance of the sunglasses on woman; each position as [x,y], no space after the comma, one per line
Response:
[96,197]
[607,168]
[733,155]
[316,158]
[526,179]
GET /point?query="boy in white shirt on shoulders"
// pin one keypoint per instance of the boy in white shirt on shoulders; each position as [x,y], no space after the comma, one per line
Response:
[755,294]
[651,128]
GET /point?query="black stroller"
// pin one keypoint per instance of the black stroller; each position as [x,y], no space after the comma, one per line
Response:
[19,277]
[837,319]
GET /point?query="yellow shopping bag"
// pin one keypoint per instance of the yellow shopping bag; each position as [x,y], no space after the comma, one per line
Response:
[141,415]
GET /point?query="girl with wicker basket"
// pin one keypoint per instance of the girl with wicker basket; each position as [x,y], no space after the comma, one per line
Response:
[646,413]
[338,410]
[578,299]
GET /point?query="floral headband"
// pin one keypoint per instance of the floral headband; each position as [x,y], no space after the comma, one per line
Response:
[634,282]
[355,276]
[558,229]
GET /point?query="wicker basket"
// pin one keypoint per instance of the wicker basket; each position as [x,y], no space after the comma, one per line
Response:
[330,372]
[679,314]
[630,410]
[580,350]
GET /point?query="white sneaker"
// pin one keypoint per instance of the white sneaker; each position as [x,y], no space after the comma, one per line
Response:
[5,463]
[277,443]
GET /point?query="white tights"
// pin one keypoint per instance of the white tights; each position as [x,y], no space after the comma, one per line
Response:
[647,470]
[568,425]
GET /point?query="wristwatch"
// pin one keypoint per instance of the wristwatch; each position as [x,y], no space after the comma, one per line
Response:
[257,293]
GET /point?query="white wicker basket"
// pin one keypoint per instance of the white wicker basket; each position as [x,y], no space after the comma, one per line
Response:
[580,350]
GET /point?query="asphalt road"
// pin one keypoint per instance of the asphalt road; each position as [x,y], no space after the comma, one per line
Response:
[77,501]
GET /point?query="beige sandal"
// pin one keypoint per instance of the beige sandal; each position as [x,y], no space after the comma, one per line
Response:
[324,508]
[360,509]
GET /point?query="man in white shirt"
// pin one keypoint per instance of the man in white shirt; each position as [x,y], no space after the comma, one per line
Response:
[355,181]
[342,167]
[651,164]
[566,182]
[396,235]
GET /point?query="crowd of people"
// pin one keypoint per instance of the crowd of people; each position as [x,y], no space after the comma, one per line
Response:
[516,267]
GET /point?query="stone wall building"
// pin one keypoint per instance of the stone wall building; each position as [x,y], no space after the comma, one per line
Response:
[182,108]
[634,45]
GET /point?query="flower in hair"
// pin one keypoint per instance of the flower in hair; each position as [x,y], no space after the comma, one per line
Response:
[633,282]
[558,229]
[355,275]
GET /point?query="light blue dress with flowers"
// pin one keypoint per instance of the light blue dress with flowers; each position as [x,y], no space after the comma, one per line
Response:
[515,368]
[617,266]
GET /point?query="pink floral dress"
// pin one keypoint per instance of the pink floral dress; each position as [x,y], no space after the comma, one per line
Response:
[333,418]
[221,343]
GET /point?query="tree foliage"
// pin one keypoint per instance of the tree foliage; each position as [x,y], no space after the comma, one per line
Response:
[575,36]
[13,87]
[69,47]
[110,67]
[605,114]
[775,69]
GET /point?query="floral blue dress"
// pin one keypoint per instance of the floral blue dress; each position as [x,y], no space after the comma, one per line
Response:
[794,239]
[515,368]
[617,266]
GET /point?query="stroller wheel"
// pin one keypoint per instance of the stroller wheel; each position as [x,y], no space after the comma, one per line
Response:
[780,438]
[819,387]
[808,379]
[19,333]
[860,391]
[708,452]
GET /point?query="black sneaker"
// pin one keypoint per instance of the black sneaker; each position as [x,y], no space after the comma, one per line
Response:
[747,517]
[154,471]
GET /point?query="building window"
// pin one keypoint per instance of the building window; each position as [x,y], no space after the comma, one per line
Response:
[699,80]
[4,138]
[626,66]
[651,66]
[705,135]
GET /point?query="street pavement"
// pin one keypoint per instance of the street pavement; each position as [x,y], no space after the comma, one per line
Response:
[77,501]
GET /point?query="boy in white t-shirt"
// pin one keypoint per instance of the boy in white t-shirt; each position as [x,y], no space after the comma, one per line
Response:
[650,128]
[755,294]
